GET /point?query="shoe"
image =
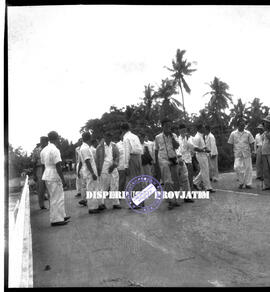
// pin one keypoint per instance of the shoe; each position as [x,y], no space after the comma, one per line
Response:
[59,223]
[188,201]
[248,187]
[211,190]
[117,207]
[259,178]
[241,186]
[83,202]
[67,218]
[78,195]
[94,211]
[101,207]
[43,208]
[170,206]
[176,204]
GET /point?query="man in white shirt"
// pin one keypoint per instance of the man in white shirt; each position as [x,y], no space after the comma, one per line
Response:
[258,152]
[242,144]
[182,168]
[185,149]
[77,159]
[266,153]
[89,175]
[132,152]
[210,142]
[202,157]
[121,167]
[50,156]
[166,159]
[107,159]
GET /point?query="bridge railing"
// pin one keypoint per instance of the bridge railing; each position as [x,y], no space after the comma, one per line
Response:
[20,243]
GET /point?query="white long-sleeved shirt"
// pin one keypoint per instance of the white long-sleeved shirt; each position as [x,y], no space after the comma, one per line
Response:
[210,142]
[132,145]
[120,146]
[184,149]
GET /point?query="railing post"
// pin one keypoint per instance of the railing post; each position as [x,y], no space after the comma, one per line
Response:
[20,243]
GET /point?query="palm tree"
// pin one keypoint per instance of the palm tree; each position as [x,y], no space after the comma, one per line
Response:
[181,68]
[219,95]
[170,105]
[148,99]
[238,111]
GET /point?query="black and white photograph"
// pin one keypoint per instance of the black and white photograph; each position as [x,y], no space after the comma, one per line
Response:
[137,146]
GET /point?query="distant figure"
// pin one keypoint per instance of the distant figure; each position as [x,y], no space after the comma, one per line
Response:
[121,166]
[185,149]
[258,152]
[146,156]
[78,177]
[166,159]
[89,175]
[107,159]
[202,157]
[132,151]
[242,144]
[266,153]
[38,171]
[54,179]
[210,142]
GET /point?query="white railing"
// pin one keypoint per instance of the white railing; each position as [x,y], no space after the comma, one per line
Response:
[20,243]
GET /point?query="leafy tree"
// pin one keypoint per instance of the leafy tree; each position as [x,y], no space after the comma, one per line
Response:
[181,68]
[219,97]
[170,105]
[19,161]
[238,112]
[255,113]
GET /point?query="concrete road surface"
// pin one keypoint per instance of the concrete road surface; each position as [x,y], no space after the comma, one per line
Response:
[223,241]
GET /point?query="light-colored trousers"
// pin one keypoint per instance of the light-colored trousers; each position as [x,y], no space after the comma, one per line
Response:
[78,181]
[266,170]
[243,169]
[170,177]
[110,182]
[259,164]
[213,167]
[57,201]
[203,175]
[92,186]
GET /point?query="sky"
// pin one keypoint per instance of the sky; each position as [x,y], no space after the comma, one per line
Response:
[68,64]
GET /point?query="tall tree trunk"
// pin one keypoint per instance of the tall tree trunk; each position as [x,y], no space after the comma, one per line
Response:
[183,103]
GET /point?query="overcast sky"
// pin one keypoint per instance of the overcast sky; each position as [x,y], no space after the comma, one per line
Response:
[68,64]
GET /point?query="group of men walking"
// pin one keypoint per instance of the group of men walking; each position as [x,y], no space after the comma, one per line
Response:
[177,159]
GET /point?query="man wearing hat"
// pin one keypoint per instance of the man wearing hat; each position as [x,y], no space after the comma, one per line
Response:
[258,151]
[38,171]
[266,153]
